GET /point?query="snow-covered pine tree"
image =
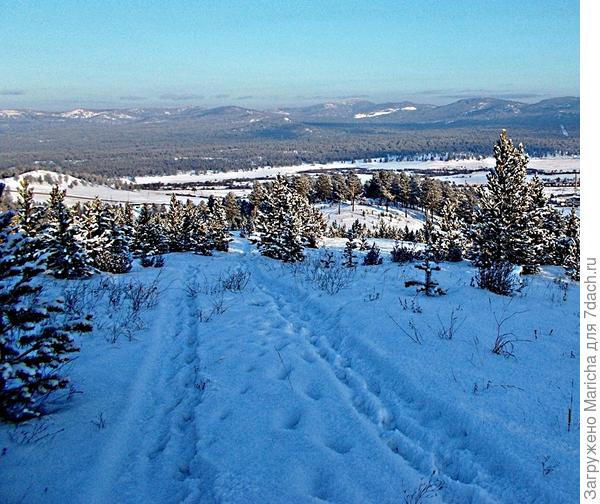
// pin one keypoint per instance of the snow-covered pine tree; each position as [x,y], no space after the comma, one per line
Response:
[34,344]
[29,215]
[373,257]
[279,222]
[96,224]
[233,211]
[349,255]
[499,232]
[114,256]
[536,222]
[314,226]
[174,225]
[125,220]
[65,256]
[148,240]
[201,239]
[448,242]
[217,225]
[570,246]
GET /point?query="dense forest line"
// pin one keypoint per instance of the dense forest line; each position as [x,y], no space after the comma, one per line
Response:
[110,151]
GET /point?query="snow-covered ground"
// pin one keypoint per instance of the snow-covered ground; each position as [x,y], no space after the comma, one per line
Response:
[371,215]
[283,393]
[79,190]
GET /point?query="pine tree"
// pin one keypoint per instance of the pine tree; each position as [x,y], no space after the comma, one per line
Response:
[354,186]
[448,243]
[28,216]
[314,225]
[174,225]
[499,232]
[114,256]
[217,227]
[232,211]
[66,257]
[280,224]
[96,225]
[571,246]
[349,255]
[148,239]
[373,257]
[34,343]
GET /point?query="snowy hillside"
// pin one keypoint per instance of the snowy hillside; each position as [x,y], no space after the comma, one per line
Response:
[78,190]
[248,383]
[371,215]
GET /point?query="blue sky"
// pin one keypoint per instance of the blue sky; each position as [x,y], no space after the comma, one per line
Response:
[58,54]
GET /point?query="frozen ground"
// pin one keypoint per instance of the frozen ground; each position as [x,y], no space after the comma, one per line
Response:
[283,393]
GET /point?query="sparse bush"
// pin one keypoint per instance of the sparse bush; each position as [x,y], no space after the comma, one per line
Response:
[235,281]
[498,278]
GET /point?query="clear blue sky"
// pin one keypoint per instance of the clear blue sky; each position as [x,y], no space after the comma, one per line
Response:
[57,54]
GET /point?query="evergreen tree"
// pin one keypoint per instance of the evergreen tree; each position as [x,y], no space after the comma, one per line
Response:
[34,343]
[174,226]
[279,224]
[499,232]
[373,257]
[148,239]
[448,243]
[96,226]
[65,256]
[349,255]
[323,188]
[232,211]
[354,188]
[28,216]
[217,227]
[114,257]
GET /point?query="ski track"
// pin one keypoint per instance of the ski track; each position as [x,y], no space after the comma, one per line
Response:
[416,435]
[151,452]
[156,453]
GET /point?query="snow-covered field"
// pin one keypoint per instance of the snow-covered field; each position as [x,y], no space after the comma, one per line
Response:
[283,393]
[548,164]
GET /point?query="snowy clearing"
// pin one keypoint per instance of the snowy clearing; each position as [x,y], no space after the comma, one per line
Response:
[278,392]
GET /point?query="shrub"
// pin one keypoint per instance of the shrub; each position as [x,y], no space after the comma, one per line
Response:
[404,254]
[498,278]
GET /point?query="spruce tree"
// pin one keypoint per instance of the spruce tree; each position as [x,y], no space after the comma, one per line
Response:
[114,256]
[232,211]
[66,257]
[34,343]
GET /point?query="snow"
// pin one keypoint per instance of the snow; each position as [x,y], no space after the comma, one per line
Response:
[371,214]
[409,108]
[9,113]
[559,163]
[79,190]
[379,113]
[287,394]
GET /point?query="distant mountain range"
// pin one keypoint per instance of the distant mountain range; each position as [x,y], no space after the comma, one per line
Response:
[466,112]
